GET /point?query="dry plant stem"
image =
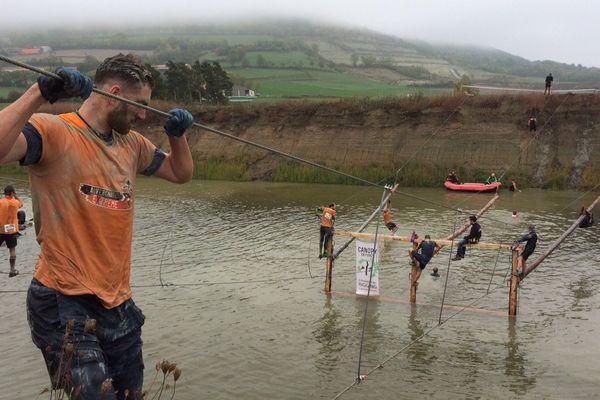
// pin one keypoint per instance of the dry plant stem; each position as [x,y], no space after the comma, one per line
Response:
[174,386]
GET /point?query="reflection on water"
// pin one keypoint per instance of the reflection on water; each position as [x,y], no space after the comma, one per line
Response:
[244,319]
[520,382]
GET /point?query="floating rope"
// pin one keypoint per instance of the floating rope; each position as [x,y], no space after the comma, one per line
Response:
[448,270]
[364,324]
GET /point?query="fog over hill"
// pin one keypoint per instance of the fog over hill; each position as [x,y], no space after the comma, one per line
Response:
[533,29]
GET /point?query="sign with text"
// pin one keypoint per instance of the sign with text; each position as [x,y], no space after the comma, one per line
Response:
[366,266]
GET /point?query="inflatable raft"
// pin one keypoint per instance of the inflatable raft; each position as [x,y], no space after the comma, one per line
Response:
[473,187]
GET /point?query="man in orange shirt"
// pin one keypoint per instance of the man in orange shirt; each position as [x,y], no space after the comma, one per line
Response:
[9,225]
[387,218]
[82,171]
[326,231]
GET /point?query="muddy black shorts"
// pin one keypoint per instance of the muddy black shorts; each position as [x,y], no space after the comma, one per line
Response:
[10,239]
[419,257]
[391,226]
[110,348]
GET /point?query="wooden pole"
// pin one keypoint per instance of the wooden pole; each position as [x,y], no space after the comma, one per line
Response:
[514,285]
[557,242]
[329,264]
[413,284]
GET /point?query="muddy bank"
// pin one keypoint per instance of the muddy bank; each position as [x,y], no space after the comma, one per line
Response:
[425,136]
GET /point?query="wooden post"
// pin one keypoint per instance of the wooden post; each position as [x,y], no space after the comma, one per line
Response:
[514,285]
[329,264]
[413,286]
[413,273]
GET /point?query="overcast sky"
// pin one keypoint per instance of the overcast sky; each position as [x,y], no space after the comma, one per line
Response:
[559,30]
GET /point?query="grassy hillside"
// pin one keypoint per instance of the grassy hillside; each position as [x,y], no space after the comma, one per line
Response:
[302,59]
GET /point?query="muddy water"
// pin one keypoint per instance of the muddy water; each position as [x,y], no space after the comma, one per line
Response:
[243,318]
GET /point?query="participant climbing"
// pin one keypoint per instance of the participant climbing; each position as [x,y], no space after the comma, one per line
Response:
[532,124]
[423,254]
[588,219]
[387,218]
[473,237]
[530,240]
[513,187]
[326,231]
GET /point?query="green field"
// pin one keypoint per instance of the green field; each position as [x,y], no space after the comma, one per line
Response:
[314,83]
[4,91]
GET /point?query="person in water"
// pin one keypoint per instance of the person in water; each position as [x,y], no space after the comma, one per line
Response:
[515,215]
[387,218]
[513,187]
[435,273]
[588,219]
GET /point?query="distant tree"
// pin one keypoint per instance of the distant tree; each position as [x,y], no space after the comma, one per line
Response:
[368,61]
[179,81]
[215,83]
[460,89]
[354,59]
[160,88]
[260,61]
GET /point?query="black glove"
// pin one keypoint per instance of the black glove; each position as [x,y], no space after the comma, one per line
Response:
[73,84]
[178,122]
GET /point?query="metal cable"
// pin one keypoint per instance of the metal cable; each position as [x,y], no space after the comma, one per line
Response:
[206,128]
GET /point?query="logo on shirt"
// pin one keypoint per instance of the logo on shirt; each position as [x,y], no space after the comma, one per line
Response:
[107,198]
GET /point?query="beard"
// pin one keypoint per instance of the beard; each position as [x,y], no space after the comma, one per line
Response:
[118,121]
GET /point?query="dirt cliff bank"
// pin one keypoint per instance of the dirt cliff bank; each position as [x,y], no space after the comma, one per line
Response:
[428,136]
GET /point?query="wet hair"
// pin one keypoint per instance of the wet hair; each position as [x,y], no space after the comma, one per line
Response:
[531,228]
[332,205]
[473,218]
[427,237]
[127,68]
[9,190]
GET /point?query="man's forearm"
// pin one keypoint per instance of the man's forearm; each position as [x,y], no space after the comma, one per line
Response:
[16,115]
[181,159]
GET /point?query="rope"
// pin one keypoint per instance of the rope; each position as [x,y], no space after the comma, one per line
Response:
[448,271]
[206,128]
[364,324]
[494,270]
[380,366]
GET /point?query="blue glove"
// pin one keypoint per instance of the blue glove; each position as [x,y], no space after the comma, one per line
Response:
[73,84]
[178,122]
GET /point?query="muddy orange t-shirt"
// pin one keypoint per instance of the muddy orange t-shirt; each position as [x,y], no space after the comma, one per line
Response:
[327,218]
[9,220]
[82,190]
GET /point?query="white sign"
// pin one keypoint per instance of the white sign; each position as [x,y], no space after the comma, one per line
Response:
[364,269]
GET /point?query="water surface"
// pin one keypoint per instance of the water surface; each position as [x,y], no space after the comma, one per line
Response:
[243,318]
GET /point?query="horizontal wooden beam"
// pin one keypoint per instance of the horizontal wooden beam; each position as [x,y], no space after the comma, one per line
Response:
[406,239]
